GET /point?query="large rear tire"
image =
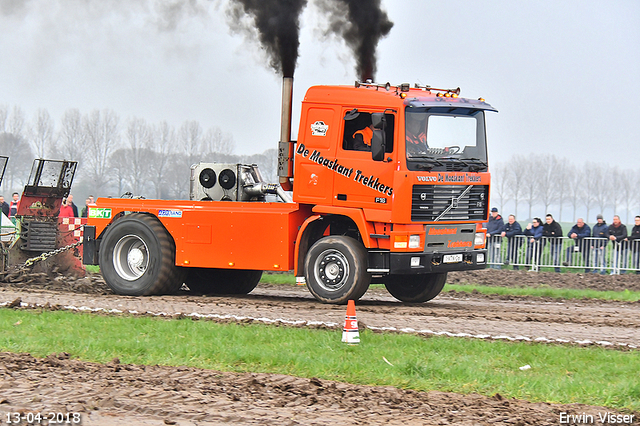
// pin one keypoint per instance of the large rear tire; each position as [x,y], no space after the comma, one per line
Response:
[415,288]
[336,269]
[222,281]
[137,257]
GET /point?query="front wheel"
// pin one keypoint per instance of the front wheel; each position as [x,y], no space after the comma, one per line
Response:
[415,288]
[336,269]
[137,257]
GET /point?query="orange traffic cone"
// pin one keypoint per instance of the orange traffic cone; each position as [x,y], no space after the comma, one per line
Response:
[350,333]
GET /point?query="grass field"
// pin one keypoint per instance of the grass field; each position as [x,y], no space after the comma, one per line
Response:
[591,375]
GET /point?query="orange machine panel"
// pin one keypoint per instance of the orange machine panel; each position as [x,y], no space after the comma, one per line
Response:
[218,234]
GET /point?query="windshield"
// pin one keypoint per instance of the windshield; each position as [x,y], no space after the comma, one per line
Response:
[445,139]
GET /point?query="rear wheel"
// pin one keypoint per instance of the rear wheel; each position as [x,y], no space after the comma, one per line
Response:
[137,257]
[336,269]
[415,288]
[222,281]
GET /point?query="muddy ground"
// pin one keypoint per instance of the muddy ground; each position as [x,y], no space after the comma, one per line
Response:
[115,394]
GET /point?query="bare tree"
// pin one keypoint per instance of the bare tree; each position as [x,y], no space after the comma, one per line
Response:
[601,189]
[547,176]
[20,158]
[71,137]
[521,182]
[500,184]
[616,179]
[138,137]
[4,114]
[101,139]
[177,177]
[190,141]
[14,144]
[591,184]
[119,165]
[42,133]
[163,142]
[217,141]
[17,122]
[574,188]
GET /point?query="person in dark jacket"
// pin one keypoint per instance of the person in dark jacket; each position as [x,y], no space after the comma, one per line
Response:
[73,206]
[534,233]
[634,243]
[512,230]
[552,231]
[600,233]
[617,234]
[5,207]
[494,228]
[578,233]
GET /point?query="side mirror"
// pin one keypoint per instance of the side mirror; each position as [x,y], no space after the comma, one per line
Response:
[379,121]
[378,145]
[378,140]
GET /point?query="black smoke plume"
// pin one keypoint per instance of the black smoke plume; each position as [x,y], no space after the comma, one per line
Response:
[362,23]
[278,25]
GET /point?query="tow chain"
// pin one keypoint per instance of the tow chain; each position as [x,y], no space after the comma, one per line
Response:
[45,256]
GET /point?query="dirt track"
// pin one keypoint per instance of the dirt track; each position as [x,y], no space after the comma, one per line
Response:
[135,395]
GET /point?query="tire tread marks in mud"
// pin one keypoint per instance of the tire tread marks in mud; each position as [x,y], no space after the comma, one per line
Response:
[162,276]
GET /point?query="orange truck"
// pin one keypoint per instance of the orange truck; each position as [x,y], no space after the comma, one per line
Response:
[391,186]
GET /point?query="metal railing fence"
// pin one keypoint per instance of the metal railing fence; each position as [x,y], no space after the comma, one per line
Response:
[595,255]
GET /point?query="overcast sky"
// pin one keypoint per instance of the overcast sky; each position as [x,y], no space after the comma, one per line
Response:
[565,75]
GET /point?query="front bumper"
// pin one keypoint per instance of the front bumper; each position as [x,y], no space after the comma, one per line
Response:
[385,262]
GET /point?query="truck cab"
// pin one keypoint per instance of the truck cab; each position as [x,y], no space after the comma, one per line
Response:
[421,184]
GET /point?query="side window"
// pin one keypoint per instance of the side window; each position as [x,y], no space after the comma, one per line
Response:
[358,131]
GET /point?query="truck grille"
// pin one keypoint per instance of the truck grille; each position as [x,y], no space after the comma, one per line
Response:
[429,201]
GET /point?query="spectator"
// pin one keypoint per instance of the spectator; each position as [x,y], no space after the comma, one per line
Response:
[73,206]
[534,232]
[617,234]
[85,209]
[65,209]
[13,207]
[512,230]
[634,242]
[600,235]
[5,207]
[494,228]
[578,233]
[552,231]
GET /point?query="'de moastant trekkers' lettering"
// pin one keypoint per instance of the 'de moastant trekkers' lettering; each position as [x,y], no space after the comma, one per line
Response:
[448,177]
[333,165]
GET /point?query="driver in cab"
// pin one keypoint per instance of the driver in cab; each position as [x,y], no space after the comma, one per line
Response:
[416,133]
[361,138]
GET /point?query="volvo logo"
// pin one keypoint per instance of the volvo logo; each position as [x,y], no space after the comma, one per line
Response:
[423,196]
[454,203]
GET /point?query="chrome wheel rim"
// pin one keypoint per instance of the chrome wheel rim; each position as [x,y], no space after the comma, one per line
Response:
[130,257]
[331,270]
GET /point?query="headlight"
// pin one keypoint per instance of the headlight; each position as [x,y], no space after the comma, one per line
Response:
[414,241]
[479,240]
